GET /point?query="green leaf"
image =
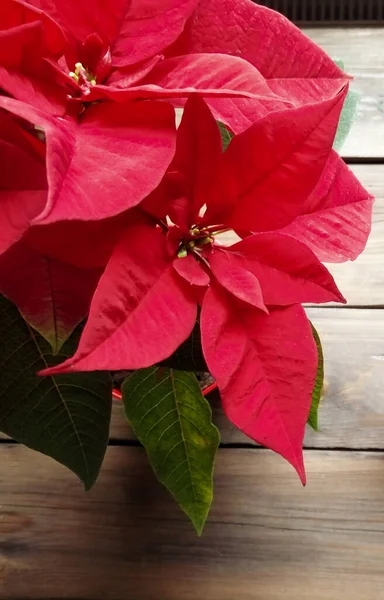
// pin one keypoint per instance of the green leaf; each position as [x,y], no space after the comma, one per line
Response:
[340,63]
[66,416]
[226,135]
[347,117]
[313,420]
[172,419]
[348,114]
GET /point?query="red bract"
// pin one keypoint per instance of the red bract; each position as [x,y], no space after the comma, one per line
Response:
[110,50]
[104,163]
[52,296]
[51,274]
[23,181]
[265,366]
[296,69]
[256,338]
[58,58]
[337,201]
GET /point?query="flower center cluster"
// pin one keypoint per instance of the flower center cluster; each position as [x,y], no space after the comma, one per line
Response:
[83,77]
[194,241]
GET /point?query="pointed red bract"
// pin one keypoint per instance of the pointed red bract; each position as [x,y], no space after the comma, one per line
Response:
[259,35]
[268,171]
[337,223]
[210,75]
[294,66]
[24,74]
[15,13]
[135,30]
[198,153]
[23,193]
[189,179]
[52,296]
[188,268]
[265,367]
[84,244]
[142,310]
[287,270]
[92,166]
[237,280]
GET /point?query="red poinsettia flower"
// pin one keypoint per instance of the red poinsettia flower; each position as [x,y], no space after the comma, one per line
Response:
[256,338]
[82,52]
[295,68]
[57,58]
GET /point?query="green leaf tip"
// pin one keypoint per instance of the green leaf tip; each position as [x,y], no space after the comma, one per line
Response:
[313,418]
[348,114]
[226,135]
[340,63]
[173,421]
[347,118]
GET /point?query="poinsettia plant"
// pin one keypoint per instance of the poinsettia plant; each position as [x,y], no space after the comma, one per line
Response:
[114,252]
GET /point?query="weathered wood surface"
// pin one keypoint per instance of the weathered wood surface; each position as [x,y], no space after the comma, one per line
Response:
[362,51]
[267,537]
[352,410]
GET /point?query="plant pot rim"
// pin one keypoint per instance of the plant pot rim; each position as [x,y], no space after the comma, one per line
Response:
[116,394]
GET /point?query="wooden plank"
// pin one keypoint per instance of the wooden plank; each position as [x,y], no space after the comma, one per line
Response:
[362,53]
[352,410]
[361,49]
[267,538]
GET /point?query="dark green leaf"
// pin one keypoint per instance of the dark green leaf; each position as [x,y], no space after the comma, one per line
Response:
[226,135]
[172,420]
[319,382]
[67,416]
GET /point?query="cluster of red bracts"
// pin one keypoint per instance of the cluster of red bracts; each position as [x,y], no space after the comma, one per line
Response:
[110,211]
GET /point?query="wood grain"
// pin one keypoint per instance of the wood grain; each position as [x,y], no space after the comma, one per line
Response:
[267,538]
[361,49]
[352,410]
[363,56]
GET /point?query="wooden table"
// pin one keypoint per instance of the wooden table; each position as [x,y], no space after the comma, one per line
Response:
[267,538]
